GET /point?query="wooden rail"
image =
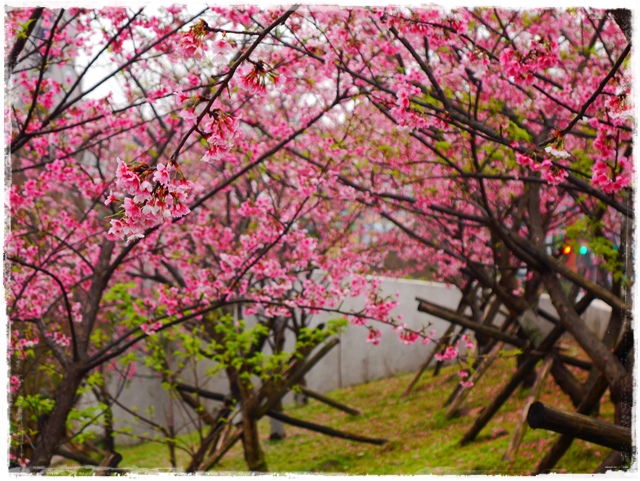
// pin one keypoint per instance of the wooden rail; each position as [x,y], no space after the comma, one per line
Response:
[330,402]
[579,426]
[451,316]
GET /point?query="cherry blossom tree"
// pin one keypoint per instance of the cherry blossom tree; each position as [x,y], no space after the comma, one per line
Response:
[78,162]
[489,133]
[479,134]
[289,288]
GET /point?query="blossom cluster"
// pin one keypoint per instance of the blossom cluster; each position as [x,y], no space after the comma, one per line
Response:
[221,130]
[542,55]
[374,337]
[553,174]
[619,106]
[150,328]
[407,336]
[255,78]
[465,382]
[609,178]
[20,344]
[148,205]
[23,462]
[15,383]
[59,338]
[452,352]
[192,41]
[449,353]
[603,176]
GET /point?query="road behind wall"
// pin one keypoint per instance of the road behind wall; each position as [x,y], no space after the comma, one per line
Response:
[353,361]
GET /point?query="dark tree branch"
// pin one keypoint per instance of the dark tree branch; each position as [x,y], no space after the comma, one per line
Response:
[23,37]
[622,16]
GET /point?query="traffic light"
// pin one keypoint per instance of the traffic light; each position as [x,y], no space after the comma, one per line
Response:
[566,250]
[584,250]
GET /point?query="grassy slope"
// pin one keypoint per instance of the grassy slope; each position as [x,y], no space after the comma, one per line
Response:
[421,440]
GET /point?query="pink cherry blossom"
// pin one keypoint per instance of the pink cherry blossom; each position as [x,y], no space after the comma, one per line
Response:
[374,336]
[15,383]
[161,175]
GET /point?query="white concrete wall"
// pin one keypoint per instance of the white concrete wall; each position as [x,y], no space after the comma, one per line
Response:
[354,361]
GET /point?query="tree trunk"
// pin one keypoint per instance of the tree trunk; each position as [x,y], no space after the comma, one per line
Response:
[253,453]
[622,397]
[567,381]
[620,380]
[54,430]
[109,433]
[599,353]
[300,398]
[102,395]
[530,378]
[277,426]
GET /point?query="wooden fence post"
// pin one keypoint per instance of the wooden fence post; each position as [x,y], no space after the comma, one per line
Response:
[518,433]
[475,377]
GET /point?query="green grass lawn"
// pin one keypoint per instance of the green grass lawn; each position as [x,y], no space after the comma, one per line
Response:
[421,440]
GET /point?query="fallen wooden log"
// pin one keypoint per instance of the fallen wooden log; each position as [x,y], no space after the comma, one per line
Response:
[563,443]
[287,419]
[522,371]
[325,430]
[580,426]
[329,401]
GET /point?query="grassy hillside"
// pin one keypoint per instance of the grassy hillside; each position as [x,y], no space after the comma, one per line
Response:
[421,440]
